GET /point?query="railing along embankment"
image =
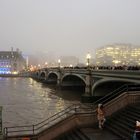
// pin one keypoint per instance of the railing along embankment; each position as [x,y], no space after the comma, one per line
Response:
[78,115]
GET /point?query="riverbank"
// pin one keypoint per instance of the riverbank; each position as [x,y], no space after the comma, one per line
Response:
[14,75]
[9,75]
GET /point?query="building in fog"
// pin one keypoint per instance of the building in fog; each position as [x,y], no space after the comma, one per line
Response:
[11,62]
[67,61]
[118,55]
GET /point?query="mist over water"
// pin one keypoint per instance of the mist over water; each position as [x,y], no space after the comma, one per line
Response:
[26,101]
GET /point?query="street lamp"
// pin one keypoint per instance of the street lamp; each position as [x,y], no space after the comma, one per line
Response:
[59,62]
[46,64]
[88,59]
[39,66]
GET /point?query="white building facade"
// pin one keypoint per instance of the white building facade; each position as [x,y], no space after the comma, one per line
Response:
[118,55]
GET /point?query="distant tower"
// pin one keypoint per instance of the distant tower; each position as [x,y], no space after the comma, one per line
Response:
[17,50]
[27,61]
[11,49]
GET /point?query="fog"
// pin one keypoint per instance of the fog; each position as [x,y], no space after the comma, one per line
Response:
[67,27]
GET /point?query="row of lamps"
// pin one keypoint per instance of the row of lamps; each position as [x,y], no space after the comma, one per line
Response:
[88,57]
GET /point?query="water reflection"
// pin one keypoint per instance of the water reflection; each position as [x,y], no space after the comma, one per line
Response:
[26,101]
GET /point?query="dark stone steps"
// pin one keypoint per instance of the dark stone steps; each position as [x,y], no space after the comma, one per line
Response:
[75,134]
[122,123]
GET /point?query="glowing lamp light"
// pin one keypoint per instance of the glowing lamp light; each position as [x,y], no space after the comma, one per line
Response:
[59,61]
[88,58]
[71,65]
[14,72]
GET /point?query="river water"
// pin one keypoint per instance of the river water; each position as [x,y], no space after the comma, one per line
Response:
[26,101]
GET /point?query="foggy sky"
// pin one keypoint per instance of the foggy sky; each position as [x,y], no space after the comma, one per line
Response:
[67,27]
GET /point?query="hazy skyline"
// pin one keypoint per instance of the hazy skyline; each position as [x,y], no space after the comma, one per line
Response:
[67,27]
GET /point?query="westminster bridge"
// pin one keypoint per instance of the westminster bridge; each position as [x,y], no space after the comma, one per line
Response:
[93,83]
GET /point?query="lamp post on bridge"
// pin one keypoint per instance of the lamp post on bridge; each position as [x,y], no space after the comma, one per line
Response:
[86,97]
[59,63]
[46,64]
[88,57]
[59,74]
[39,66]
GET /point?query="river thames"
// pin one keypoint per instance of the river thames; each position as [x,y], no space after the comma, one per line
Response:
[26,101]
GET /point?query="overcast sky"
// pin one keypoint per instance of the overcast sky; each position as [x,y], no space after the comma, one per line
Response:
[67,27]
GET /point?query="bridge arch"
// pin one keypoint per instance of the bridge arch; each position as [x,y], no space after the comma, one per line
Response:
[52,77]
[37,74]
[43,75]
[73,82]
[107,85]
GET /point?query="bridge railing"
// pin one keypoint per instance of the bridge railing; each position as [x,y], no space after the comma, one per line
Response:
[117,92]
[39,127]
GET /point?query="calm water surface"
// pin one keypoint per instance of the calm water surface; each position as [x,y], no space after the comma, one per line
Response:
[26,101]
